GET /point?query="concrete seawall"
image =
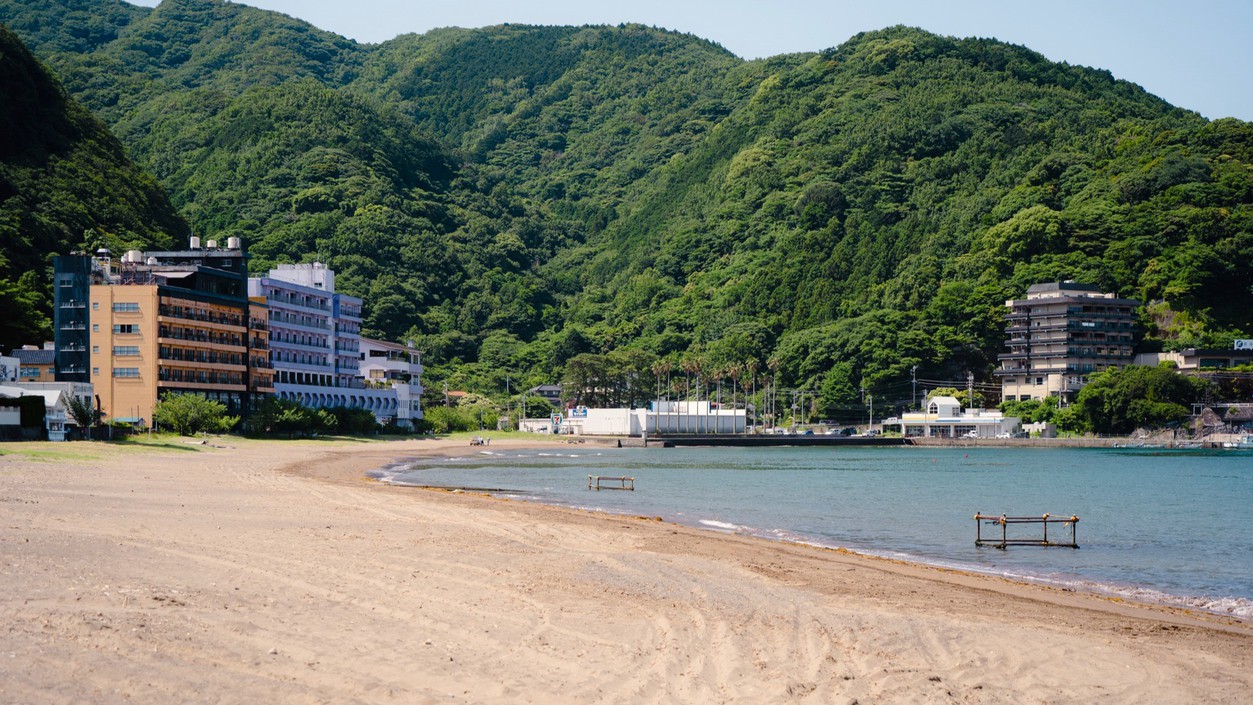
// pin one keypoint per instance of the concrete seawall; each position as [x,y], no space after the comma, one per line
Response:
[764,441]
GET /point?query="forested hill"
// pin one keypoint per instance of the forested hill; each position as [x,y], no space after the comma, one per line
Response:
[65,183]
[514,196]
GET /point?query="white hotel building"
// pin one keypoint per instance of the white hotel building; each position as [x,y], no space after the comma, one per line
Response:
[317,351]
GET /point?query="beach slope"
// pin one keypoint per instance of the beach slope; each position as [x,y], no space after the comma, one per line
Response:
[275,572]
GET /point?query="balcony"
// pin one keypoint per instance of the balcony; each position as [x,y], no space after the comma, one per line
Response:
[307,303]
[195,336]
[190,314]
[279,319]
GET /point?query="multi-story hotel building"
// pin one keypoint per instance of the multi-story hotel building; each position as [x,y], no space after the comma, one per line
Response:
[317,351]
[1061,333]
[161,323]
[192,321]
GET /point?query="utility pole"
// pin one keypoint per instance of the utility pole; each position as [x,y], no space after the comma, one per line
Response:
[913,376]
[970,390]
[508,404]
[863,394]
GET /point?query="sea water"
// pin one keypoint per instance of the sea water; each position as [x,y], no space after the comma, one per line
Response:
[1174,527]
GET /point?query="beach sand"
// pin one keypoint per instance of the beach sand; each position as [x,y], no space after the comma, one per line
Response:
[274,572]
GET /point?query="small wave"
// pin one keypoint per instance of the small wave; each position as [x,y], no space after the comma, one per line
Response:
[713,524]
[1239,607]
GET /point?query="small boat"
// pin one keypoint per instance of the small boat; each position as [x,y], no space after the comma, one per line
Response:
[1244,443]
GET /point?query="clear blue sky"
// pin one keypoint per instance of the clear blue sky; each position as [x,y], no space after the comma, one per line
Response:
[1196,54]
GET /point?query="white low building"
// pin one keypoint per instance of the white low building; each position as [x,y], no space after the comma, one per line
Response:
[545,425]
[945,418]
[398,370]
[56,408]
[660,418]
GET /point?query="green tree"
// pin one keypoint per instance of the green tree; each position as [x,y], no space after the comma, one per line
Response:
[84,414]
[189,414]
[1033,410]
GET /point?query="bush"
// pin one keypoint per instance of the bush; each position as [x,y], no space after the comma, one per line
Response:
[443,419]
[290,418]
[353,421]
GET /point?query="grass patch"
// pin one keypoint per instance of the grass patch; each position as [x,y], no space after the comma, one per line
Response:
[45,451]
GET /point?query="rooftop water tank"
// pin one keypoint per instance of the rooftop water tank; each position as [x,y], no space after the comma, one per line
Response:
[195,242]
[212,244]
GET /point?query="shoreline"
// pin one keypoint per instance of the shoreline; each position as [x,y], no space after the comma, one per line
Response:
[1107,592]
[278,571]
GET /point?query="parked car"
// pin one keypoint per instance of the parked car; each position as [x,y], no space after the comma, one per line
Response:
[970,434]
[1004,434]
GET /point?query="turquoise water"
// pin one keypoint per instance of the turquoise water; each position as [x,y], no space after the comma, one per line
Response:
[1163,526]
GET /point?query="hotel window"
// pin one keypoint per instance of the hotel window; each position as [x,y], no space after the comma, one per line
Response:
[95,328]
[125,328]
[95,371]
[95,305]
[95,350]
[125,371]
[125,307]
[125,350]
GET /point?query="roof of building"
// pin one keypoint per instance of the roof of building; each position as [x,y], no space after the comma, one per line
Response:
[387,344]
[1218,352]
[51,397]
[35,357]
[1062,286]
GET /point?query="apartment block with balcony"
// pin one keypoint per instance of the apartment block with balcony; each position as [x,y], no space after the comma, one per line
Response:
[159,323]
[315,342]
[1061,333]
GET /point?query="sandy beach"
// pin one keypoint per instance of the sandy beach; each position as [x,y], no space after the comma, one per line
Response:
[275,572]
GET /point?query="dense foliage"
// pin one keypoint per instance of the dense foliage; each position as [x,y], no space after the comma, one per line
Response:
[65,183]
[1119,401]
[289,419]
[603,203]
